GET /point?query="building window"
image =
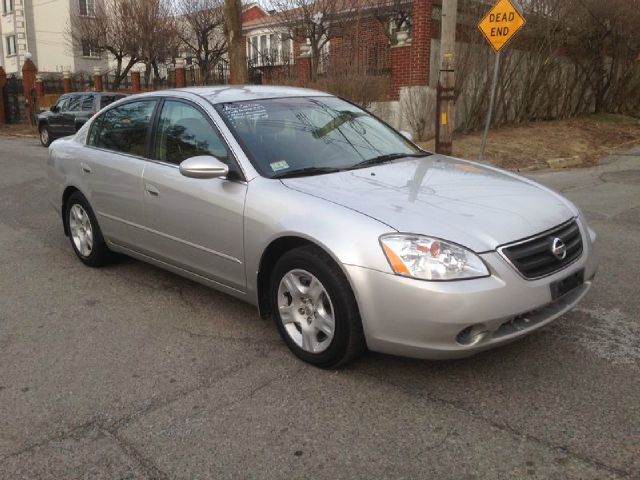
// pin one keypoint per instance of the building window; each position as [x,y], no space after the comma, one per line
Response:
[89,51]
[269,49]
[11,44]
[86,8]
[7,6]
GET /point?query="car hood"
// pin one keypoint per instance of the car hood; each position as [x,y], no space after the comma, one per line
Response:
[464,202]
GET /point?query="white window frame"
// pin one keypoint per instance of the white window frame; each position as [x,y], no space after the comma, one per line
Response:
[89,8]
[11,45]
[88,52]
[8,6]
[255,52]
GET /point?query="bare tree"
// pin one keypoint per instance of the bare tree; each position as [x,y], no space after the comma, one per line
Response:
[201,30]
[393,15]
[235,41]
[603,39]
[105,29]
[316,22]
[156,34]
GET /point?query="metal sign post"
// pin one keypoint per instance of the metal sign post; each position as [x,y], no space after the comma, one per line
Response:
[498,26]
[492,101]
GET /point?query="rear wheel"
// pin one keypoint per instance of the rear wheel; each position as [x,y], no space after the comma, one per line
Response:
[85,234]
[315,309]
[45,136]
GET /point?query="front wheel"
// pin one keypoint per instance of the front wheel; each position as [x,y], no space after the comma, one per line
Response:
[314,308]
[45,136]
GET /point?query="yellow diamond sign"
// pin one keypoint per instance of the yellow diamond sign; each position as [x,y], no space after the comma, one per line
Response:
[501,23]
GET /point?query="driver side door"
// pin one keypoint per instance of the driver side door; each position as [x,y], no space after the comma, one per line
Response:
[194,224]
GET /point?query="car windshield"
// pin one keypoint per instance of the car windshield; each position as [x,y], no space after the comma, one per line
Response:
[311,135]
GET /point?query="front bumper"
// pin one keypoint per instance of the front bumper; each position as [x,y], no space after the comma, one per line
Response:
[421,319]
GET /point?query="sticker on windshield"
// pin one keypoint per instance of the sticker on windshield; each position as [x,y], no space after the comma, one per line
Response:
[245,111]
[277,166]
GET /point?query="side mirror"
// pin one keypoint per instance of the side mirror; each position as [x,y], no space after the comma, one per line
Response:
[54,108]
[203,166]
[407,135]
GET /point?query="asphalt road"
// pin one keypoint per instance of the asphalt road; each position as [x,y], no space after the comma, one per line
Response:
[132,372]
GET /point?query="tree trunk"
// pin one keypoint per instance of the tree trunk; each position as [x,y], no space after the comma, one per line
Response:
[123,74]
[118,73]
[156,75]
[233,32]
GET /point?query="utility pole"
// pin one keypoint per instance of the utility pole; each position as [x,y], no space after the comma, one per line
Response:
[445,109]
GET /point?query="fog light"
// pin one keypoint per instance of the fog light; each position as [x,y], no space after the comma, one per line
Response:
[472,335]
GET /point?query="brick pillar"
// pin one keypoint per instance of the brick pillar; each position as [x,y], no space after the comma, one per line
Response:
[135,81]
[39,87]
[303,65]
[421,25]
[97,80]
[3,82]
[181,74]
[302,52]
[66,81]
[29,71]
[400,68]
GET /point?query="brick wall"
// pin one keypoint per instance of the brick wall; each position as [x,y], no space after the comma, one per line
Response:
[411,63]
[363,49]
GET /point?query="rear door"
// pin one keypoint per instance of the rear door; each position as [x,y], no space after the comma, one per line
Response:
[113,170]
[196,224]
[87,110]
[69,113]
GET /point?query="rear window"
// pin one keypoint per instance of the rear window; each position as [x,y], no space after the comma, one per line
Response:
[109,99]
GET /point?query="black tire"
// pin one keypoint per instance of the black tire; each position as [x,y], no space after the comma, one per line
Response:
[100,255]
[45,136]
[348,339]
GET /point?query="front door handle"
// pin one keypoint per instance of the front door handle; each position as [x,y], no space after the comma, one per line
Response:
[151,190]
[85,168]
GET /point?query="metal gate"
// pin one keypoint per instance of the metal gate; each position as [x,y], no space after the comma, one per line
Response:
[12,97]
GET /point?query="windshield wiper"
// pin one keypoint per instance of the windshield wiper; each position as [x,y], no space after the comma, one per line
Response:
[387,158]
[303,172]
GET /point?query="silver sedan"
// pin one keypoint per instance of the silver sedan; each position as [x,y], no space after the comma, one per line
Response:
[325,218]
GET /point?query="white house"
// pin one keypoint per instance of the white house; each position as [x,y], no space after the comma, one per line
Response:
[38,27]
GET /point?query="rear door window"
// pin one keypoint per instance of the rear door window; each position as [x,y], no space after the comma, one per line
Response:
[124,128]
[109,99]
[88,103]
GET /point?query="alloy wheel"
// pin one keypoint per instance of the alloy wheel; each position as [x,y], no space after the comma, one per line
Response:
[306,311]
[81,230]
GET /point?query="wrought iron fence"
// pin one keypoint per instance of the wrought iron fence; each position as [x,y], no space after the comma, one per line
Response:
[14,100]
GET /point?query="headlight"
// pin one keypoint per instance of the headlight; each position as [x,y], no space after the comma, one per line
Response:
[428,258]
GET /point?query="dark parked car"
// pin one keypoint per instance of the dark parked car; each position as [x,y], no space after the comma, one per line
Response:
[70,112]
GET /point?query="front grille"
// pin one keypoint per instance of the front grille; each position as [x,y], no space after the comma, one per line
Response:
[533,257]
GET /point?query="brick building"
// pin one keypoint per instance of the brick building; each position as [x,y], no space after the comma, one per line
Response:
[371,43]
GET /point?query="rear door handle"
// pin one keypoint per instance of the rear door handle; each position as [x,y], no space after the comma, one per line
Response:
[85,168]
[151,190]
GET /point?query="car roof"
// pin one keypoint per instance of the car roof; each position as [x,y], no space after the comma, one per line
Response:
[95,93]
[237,93]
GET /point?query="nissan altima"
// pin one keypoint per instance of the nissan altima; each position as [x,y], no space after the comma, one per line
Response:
[324,217]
